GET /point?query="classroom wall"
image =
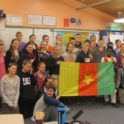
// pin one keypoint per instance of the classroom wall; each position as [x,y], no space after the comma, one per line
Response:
[92,19]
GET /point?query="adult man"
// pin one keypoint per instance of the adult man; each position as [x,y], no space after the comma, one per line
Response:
[93,38]
[58,37]
[78,41]
[117,49]
[46,39]
[92,46]
[19,38]
[72,41]
[99,51]
[32,39]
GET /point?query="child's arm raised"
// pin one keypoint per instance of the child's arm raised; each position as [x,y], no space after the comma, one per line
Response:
[51,101]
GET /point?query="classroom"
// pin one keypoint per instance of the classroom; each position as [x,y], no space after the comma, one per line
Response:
[61,61]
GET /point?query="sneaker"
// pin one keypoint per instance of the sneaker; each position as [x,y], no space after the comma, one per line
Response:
[115,105]
[105,103]
[32,118]
[78,103]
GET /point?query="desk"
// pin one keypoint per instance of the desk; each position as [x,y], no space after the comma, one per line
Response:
[11,119]
[53,122]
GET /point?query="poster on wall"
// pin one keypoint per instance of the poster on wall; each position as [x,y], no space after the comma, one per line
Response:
[15,20]
[78,22]
[67,34]
[49,20]
[72,20]
[66,22]
[35,19]
[84,35]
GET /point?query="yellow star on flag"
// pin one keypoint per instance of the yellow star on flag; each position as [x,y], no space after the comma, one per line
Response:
[87,79]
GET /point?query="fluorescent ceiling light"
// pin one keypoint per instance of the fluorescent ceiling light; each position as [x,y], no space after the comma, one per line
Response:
[94,4]
[120,20]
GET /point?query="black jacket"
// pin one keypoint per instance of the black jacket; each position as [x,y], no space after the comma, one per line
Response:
[9,59]
[27,92]
[23,50]
[25,56]
[52,66]
[81,57]
[78,45]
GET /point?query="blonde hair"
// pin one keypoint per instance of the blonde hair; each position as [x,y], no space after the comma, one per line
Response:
[53,53]
[1,42]
[122,44]
[85,44]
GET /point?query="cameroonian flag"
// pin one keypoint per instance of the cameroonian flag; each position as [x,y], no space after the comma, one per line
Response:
[86,79]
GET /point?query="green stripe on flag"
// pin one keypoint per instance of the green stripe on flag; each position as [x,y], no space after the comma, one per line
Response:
[106,85]
[68,79]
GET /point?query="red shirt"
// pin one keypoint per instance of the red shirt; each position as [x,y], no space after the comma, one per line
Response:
[40,80]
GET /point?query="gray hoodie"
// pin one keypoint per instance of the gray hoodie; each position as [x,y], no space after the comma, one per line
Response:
[10,90]
[97,56]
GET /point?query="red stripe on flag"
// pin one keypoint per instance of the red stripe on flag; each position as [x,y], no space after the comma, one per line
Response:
[87,83]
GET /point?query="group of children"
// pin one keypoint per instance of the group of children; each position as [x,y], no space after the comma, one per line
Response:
[29,75]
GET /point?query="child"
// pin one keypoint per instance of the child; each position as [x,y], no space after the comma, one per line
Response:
[83,57]
[40,74]
[54,62]
[10,84]
[56,82]
[28,86]
[110,58]
[30,54]
[48,80]
[69,56]
[47,104]
[43,55]
[12,55]
[120,82]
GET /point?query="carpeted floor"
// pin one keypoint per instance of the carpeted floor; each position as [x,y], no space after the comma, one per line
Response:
[96,114]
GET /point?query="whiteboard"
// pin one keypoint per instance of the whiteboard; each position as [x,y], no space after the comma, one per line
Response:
[105,38]
[113,38]
[9,33]
[40,32]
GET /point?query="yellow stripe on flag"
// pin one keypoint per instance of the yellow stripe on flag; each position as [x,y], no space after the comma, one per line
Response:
[68,79]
